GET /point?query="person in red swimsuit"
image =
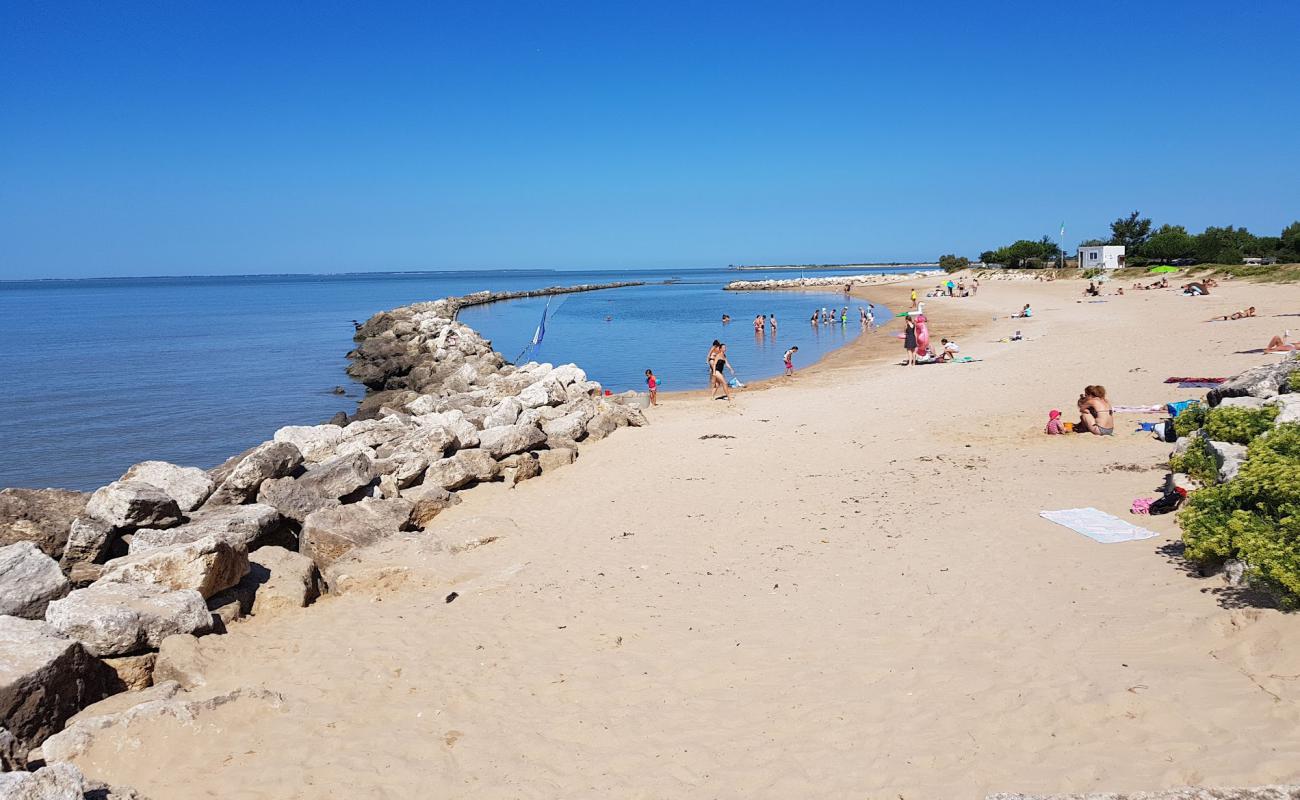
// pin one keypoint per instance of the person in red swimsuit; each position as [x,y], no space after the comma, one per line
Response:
[652,383]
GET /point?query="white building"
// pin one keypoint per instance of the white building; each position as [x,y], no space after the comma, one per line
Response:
[1105,256]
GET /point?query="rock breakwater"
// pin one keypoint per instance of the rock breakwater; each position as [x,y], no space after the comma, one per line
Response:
[103,591]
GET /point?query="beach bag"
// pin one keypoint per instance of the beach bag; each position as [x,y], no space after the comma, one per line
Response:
[1170,502]
[1179,407]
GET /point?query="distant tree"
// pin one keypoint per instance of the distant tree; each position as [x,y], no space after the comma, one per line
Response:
[1131,231]
[1168,243]
[1289,250]
[989,257]
[1224,245]
[952,263]
[1093,242]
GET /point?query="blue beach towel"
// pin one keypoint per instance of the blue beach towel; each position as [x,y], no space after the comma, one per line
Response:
[1097,525]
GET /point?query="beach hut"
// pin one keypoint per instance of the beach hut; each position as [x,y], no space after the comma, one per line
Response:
[1105,256]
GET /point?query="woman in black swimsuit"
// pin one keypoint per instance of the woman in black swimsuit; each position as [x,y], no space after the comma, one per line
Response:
[717,363]
[909,341]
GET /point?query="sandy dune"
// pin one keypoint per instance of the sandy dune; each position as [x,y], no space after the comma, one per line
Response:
[850,594]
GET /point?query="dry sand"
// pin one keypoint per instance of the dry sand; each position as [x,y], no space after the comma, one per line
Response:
[849,594]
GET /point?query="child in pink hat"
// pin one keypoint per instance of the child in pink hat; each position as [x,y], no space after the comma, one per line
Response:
[1054,426]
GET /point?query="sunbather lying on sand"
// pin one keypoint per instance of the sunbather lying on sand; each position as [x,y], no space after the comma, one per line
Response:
[1279,344]
[1249,312]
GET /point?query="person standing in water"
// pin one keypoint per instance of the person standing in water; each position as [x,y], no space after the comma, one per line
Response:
[772,321]
[814,319]
[789,360]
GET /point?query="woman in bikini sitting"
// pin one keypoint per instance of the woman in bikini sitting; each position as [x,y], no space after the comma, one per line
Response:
[1095,414]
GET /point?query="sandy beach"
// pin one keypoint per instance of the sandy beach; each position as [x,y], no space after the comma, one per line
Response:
[837,586]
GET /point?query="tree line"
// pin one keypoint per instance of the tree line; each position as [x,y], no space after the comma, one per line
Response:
[1214,245]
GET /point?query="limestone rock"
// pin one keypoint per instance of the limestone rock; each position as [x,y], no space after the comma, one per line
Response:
[1265,381]
[504,441]
[29,580]
[505,412]
[570,426]
[332,532]
[315,442]
[117,619]
[267,460]
[181,659]
[88,541]
[133,504]
[527,467]
[45,678]
[188,486]
[321,486]
[555,458]
[42,516]
[133,672]
[1245,401]
[125,701]
[603,424]
[1229,457]
[76,739]
[284,579]
[427,508]
[59,781]
[207,566]
[83,574]
[1288,406]
[241,526]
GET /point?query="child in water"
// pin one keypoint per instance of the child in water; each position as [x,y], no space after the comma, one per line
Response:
[789,360]
[652,383]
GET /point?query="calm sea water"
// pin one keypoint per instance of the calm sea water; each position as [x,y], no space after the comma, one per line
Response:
[100,374]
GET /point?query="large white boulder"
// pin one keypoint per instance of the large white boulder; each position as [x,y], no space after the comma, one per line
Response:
[267,460]
[29,580]
[510,439]
[207,566]
[242,526]
[133,504]
[316,442]
[188,486]
[117,619]
[330,533]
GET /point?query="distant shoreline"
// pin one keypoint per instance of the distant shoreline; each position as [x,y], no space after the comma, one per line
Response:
[836,267]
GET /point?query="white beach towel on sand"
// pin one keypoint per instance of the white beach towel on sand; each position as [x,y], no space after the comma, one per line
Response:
[1097,525]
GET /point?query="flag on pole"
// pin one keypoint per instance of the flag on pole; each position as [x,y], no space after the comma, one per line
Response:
[541,326]
[1062,233]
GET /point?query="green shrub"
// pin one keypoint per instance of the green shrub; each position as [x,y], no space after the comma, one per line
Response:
[1089,274]
[1255,516]
[1197,460]
[1188,422]
[1238,425]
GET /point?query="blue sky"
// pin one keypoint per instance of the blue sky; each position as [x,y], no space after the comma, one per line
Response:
[171,138]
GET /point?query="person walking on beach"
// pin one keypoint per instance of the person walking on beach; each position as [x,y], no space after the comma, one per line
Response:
[913,298]
[652,384]
[789,360]
[717,363]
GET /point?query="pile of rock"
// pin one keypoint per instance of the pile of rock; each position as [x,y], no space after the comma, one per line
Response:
[105,592]
[834,280]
